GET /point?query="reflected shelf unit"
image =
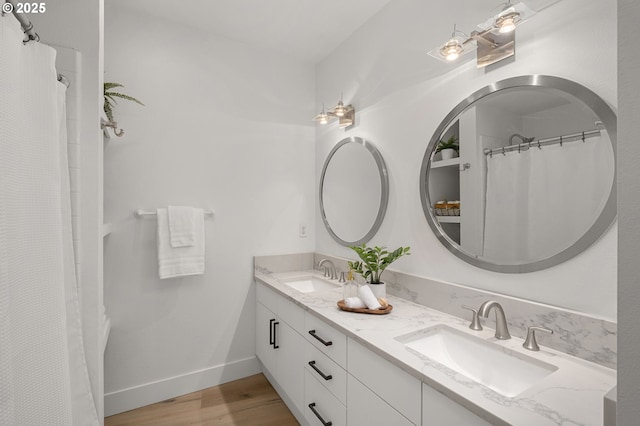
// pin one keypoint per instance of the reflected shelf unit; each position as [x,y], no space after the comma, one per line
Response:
[448,219]
[445,163]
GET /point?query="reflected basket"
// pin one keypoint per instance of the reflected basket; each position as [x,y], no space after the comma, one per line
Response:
[447,208]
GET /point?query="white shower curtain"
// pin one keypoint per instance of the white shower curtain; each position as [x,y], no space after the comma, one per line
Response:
[43,373]
[540,201]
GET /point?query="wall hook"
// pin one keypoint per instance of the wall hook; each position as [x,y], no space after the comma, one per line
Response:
[112,124]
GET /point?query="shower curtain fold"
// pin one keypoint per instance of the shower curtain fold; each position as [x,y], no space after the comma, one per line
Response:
[540,201]
[43,374]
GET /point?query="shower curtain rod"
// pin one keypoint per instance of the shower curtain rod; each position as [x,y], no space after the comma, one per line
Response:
[26,24]
[544,142]
[32,35]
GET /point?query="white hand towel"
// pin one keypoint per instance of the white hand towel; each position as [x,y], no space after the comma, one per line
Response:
[354,303]
[182,226]
[368,297]
[180,261]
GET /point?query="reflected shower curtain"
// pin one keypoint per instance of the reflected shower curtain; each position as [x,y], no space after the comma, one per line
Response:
[540,201]
[43,373]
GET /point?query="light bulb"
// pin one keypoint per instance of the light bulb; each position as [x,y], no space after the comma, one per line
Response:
[339,109]
[507,23]
[451,50]
[323,119]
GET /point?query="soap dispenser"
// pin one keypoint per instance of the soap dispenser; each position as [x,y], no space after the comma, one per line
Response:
[349,289]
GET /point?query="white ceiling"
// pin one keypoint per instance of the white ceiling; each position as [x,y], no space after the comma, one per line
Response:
[305,29]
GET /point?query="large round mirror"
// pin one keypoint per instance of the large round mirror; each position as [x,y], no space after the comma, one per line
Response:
[528,180]
[354,191]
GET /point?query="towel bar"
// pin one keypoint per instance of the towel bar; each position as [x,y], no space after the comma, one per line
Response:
[142,213]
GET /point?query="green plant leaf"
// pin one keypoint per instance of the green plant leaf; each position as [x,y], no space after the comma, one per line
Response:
[123,96]
[110,98]
[374,260]
[108,86]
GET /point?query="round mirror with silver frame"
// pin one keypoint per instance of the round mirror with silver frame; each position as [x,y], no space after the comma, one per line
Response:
[525,93]
[354,191]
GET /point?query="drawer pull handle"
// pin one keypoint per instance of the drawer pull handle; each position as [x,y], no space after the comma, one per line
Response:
[312,407]
[275,335]
[271,331]
[324,376]
[320,339]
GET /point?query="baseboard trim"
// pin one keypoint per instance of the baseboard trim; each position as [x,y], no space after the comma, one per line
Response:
[150,393]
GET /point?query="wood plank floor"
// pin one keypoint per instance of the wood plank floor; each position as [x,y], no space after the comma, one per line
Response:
[251,401]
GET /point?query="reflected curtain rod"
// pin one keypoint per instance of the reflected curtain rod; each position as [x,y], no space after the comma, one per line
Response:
[32,35]
[544,142]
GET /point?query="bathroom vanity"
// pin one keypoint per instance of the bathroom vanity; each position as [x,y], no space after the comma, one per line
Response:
[335,367]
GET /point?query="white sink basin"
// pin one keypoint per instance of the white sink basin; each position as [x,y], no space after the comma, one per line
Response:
[501,369]
[309,284]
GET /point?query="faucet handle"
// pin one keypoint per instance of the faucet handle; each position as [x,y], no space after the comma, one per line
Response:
[342,277]
[475,321]
[530,342]
[325,271]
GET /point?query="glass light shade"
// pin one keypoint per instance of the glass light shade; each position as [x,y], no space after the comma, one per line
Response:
[339,110]
[322,118]
[451,50]
[508,18]
[507,23]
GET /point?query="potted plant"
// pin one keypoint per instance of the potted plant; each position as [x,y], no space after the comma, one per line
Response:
[373,261]
[110,102]
[449,148]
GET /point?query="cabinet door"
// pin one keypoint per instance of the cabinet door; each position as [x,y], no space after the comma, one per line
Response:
[365,408]
[438,410]
[265,320]
[290,362]
[396,387]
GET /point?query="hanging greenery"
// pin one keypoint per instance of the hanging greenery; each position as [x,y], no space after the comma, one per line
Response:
[109,99]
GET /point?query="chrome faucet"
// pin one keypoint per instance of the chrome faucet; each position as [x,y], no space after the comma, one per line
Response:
[502,333]
[330,270]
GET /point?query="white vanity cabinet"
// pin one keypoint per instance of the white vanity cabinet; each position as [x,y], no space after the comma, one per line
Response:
[376,387]
[279,346]
[329,378]
[438,410]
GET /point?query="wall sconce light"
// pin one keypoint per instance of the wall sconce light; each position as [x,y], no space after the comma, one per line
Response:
[345,114]
[494,39]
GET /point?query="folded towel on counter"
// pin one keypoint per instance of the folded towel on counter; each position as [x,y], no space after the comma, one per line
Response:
[182,226]
[354,303]
[180,261]
[367,296]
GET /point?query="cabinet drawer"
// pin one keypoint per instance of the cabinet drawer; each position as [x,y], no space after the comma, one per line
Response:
[326,338]
[320,405]
[337,384]
[291,313]
[266,296]
[366,408]
[400,389]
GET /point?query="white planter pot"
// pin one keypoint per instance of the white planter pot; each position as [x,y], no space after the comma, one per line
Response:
[379,290]
[448,154]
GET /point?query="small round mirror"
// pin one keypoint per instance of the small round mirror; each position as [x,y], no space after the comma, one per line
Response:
[354,191]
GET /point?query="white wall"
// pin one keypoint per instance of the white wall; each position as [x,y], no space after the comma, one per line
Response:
[225,127]
[401,95]
[77,24]
[629,211]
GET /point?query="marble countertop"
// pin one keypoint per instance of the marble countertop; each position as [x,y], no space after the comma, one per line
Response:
[571,395]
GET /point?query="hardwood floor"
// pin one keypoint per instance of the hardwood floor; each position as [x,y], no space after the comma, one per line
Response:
[251,401]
